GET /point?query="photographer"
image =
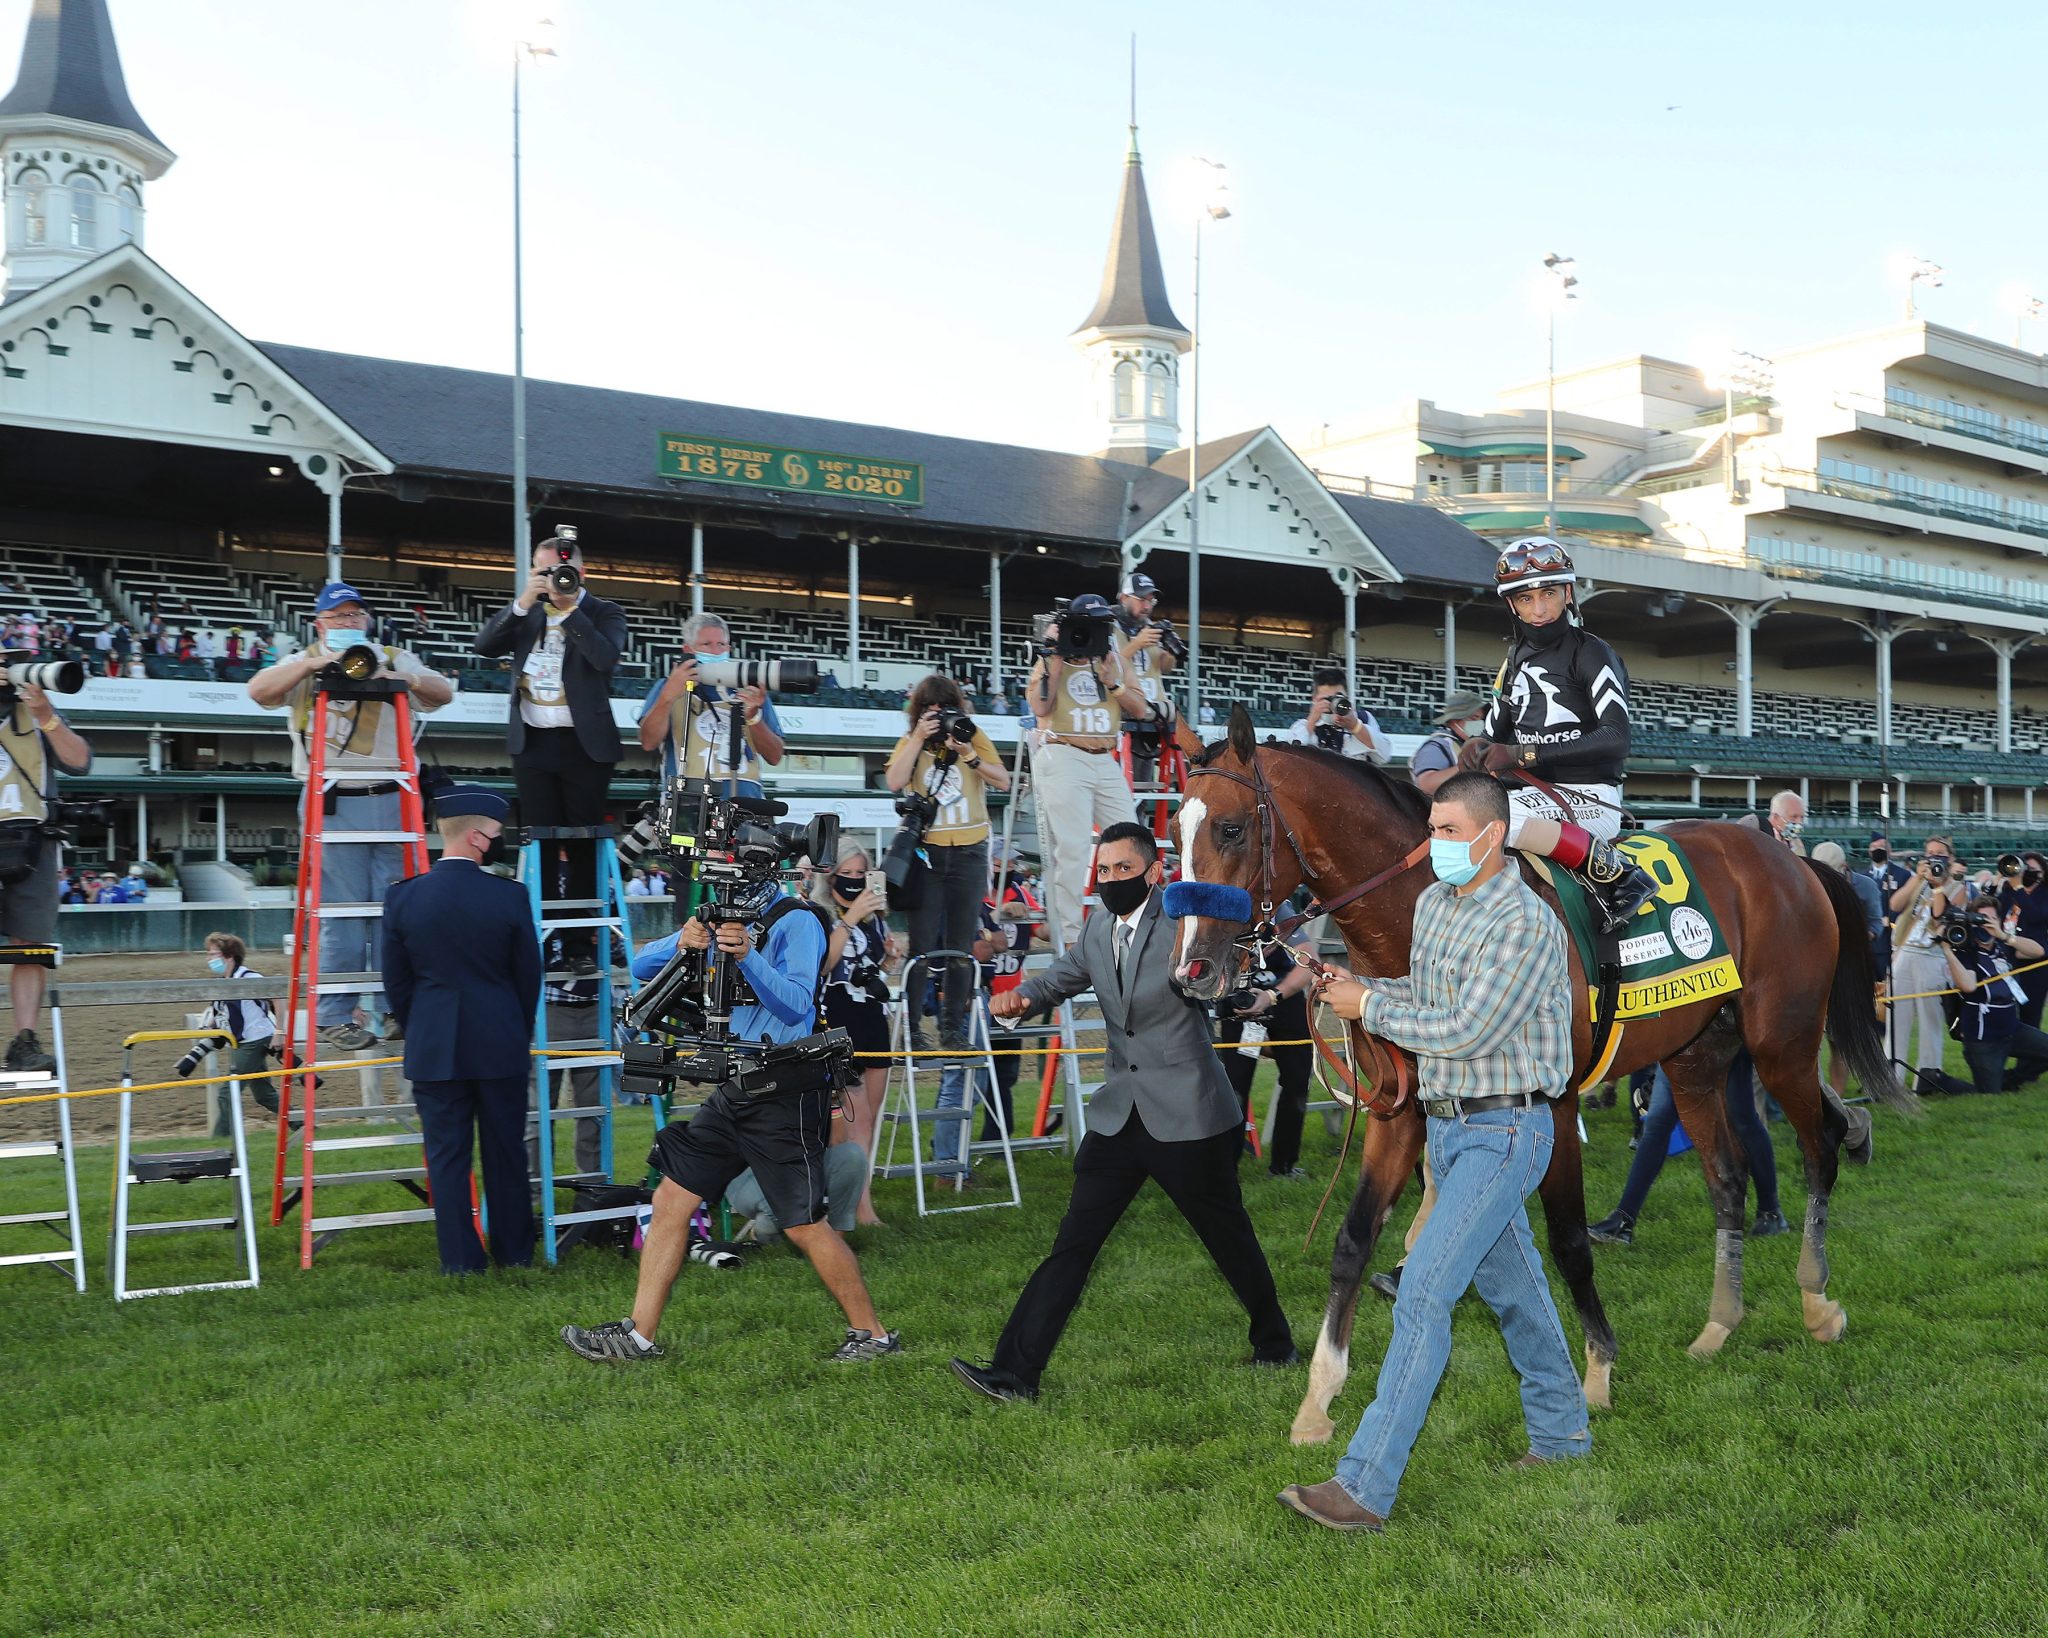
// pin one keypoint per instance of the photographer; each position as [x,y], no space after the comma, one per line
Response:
[780,1138]
[1336,724]
[948,760]
[1436,758]
[1277,1011]
[1149,649]
[251,1025]
[857,993]
[35,744]
[1989,1024]
[2023,908]
[1075,690]
[692,726]
[361,734]
[565,644]
[1918,965]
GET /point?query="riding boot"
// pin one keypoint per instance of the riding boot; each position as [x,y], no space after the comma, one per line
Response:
[1620,887]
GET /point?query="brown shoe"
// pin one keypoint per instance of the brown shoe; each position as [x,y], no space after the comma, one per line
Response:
[1331,1506]
[1533,1460]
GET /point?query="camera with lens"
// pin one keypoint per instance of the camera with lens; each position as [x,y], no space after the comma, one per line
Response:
[19,669]
[1170,639]
[355,661]
[563,574]
[1077,629]
[2014,868]
[188,1066]
[1964,929]
[777,676]
[1234,1002]
[956,726]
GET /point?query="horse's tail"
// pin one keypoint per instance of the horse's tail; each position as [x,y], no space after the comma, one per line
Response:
[1852,1020]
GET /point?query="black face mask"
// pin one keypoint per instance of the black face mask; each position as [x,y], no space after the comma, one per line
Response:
[1878,855]
[849,887]
[2030,877]
[1123,895]
[1545,636]
[495,852]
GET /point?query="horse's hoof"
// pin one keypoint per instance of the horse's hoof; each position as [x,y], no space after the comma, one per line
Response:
[1708,1342]
[1826,1320]
[1311,1430]
[1598,1388]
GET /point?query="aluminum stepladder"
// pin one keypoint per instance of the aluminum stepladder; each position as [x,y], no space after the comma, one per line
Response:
[14,1083]
[132,1170]
[607,915]
[972,1077]
[300,1025]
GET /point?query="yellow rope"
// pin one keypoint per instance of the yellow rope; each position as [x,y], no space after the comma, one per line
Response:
[260,1075]
[1928,995]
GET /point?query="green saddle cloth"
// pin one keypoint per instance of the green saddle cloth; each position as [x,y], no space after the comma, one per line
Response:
[1671,953]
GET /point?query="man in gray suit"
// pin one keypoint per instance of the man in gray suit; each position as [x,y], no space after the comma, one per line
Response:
[1166,1111]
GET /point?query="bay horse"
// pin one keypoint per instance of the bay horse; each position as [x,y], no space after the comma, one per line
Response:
[1268,818]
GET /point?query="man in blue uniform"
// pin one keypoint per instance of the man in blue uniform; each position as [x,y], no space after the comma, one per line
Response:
[462,971]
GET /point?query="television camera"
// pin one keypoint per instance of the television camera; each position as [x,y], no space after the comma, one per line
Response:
[1076,629]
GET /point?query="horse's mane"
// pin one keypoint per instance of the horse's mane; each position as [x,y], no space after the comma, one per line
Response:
[1405,798]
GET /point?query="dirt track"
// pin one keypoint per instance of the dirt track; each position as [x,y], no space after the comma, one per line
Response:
[92,1041]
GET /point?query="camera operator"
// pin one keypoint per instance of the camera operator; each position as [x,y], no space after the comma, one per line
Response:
[36,743]
[857,993]
[1918,965]
[2023,908]
[1436,758]
[1989,1025]
[565,644]
[1149,650]
[1278,1011]
[1077,783]
[361,733]
[947,758]
[692,728]
[1336,724]
[252,1026]
[781,1139]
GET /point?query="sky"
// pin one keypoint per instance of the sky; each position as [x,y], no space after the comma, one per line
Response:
[897,213]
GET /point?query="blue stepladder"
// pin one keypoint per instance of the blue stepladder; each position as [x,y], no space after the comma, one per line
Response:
[558,1083]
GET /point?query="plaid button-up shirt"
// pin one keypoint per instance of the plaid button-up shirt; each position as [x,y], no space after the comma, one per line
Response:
[1486,1006]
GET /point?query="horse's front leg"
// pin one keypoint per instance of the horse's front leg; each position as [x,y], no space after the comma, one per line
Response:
[1563,1192]
[1391,1150]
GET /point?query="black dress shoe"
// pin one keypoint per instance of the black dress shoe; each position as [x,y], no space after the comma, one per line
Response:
[1612,1230]
[991,1383]
[1387,1282]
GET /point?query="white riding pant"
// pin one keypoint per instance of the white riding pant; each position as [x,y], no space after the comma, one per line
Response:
[1525,802]
[1077,793]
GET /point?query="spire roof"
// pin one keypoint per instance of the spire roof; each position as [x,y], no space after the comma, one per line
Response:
[70,68]
[1133,292]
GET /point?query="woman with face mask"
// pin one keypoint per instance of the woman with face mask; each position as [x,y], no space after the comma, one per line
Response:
[250,1023]
[855,992]
[2023,911]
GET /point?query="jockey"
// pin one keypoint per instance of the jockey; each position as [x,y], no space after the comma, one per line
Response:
[1561,710]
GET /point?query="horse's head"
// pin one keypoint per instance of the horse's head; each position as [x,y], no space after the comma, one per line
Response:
[1231,859]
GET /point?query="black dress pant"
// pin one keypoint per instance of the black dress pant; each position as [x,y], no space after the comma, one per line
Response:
[560,783]
[1286,1022]
[452,1114]
[1199,1177]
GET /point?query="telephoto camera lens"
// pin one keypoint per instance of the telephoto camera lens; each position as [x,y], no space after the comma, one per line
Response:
[52,676]
[188,1066]
[777,676]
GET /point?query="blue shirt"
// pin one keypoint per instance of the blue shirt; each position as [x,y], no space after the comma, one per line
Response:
[783,973]
[713,697]
[1991,1012]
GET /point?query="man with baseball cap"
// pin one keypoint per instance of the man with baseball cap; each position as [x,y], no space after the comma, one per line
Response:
[1147,660]
[1436,758]
[361,735]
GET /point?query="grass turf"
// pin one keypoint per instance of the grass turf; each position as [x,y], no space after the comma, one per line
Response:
[369,1448]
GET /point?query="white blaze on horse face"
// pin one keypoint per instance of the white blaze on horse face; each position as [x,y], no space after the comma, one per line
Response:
[1193,810]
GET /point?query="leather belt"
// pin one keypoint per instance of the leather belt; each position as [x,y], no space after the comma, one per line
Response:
[383,787]
[1077,745]
[1452,1108]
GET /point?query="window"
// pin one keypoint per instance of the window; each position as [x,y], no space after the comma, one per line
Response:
[1126,390]
[127,214]
[35,192]
[1158,393]
[1508,477]
[85,210]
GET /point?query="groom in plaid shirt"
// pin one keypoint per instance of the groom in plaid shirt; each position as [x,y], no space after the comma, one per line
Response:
[1486,1007]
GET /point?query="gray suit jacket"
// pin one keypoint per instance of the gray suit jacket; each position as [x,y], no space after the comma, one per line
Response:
[1161,1057]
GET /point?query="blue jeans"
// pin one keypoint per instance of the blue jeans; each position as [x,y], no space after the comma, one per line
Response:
[1662,1118]
[1485,1164]
[356,873]
[948,1145]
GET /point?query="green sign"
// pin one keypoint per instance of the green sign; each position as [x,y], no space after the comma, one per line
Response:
[808,471]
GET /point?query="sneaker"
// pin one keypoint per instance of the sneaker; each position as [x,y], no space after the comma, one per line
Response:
[862,1345]
[393,1029]
[1767,1224]
[25,1055]
[610,1344]
[1293,1174]
[349,1037]
[1613,1230]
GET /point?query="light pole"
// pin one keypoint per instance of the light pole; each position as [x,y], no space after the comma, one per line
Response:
[537,40]
[1729,367]
[2022,306]
[1913,272]
[1212,201]
[1563,273]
